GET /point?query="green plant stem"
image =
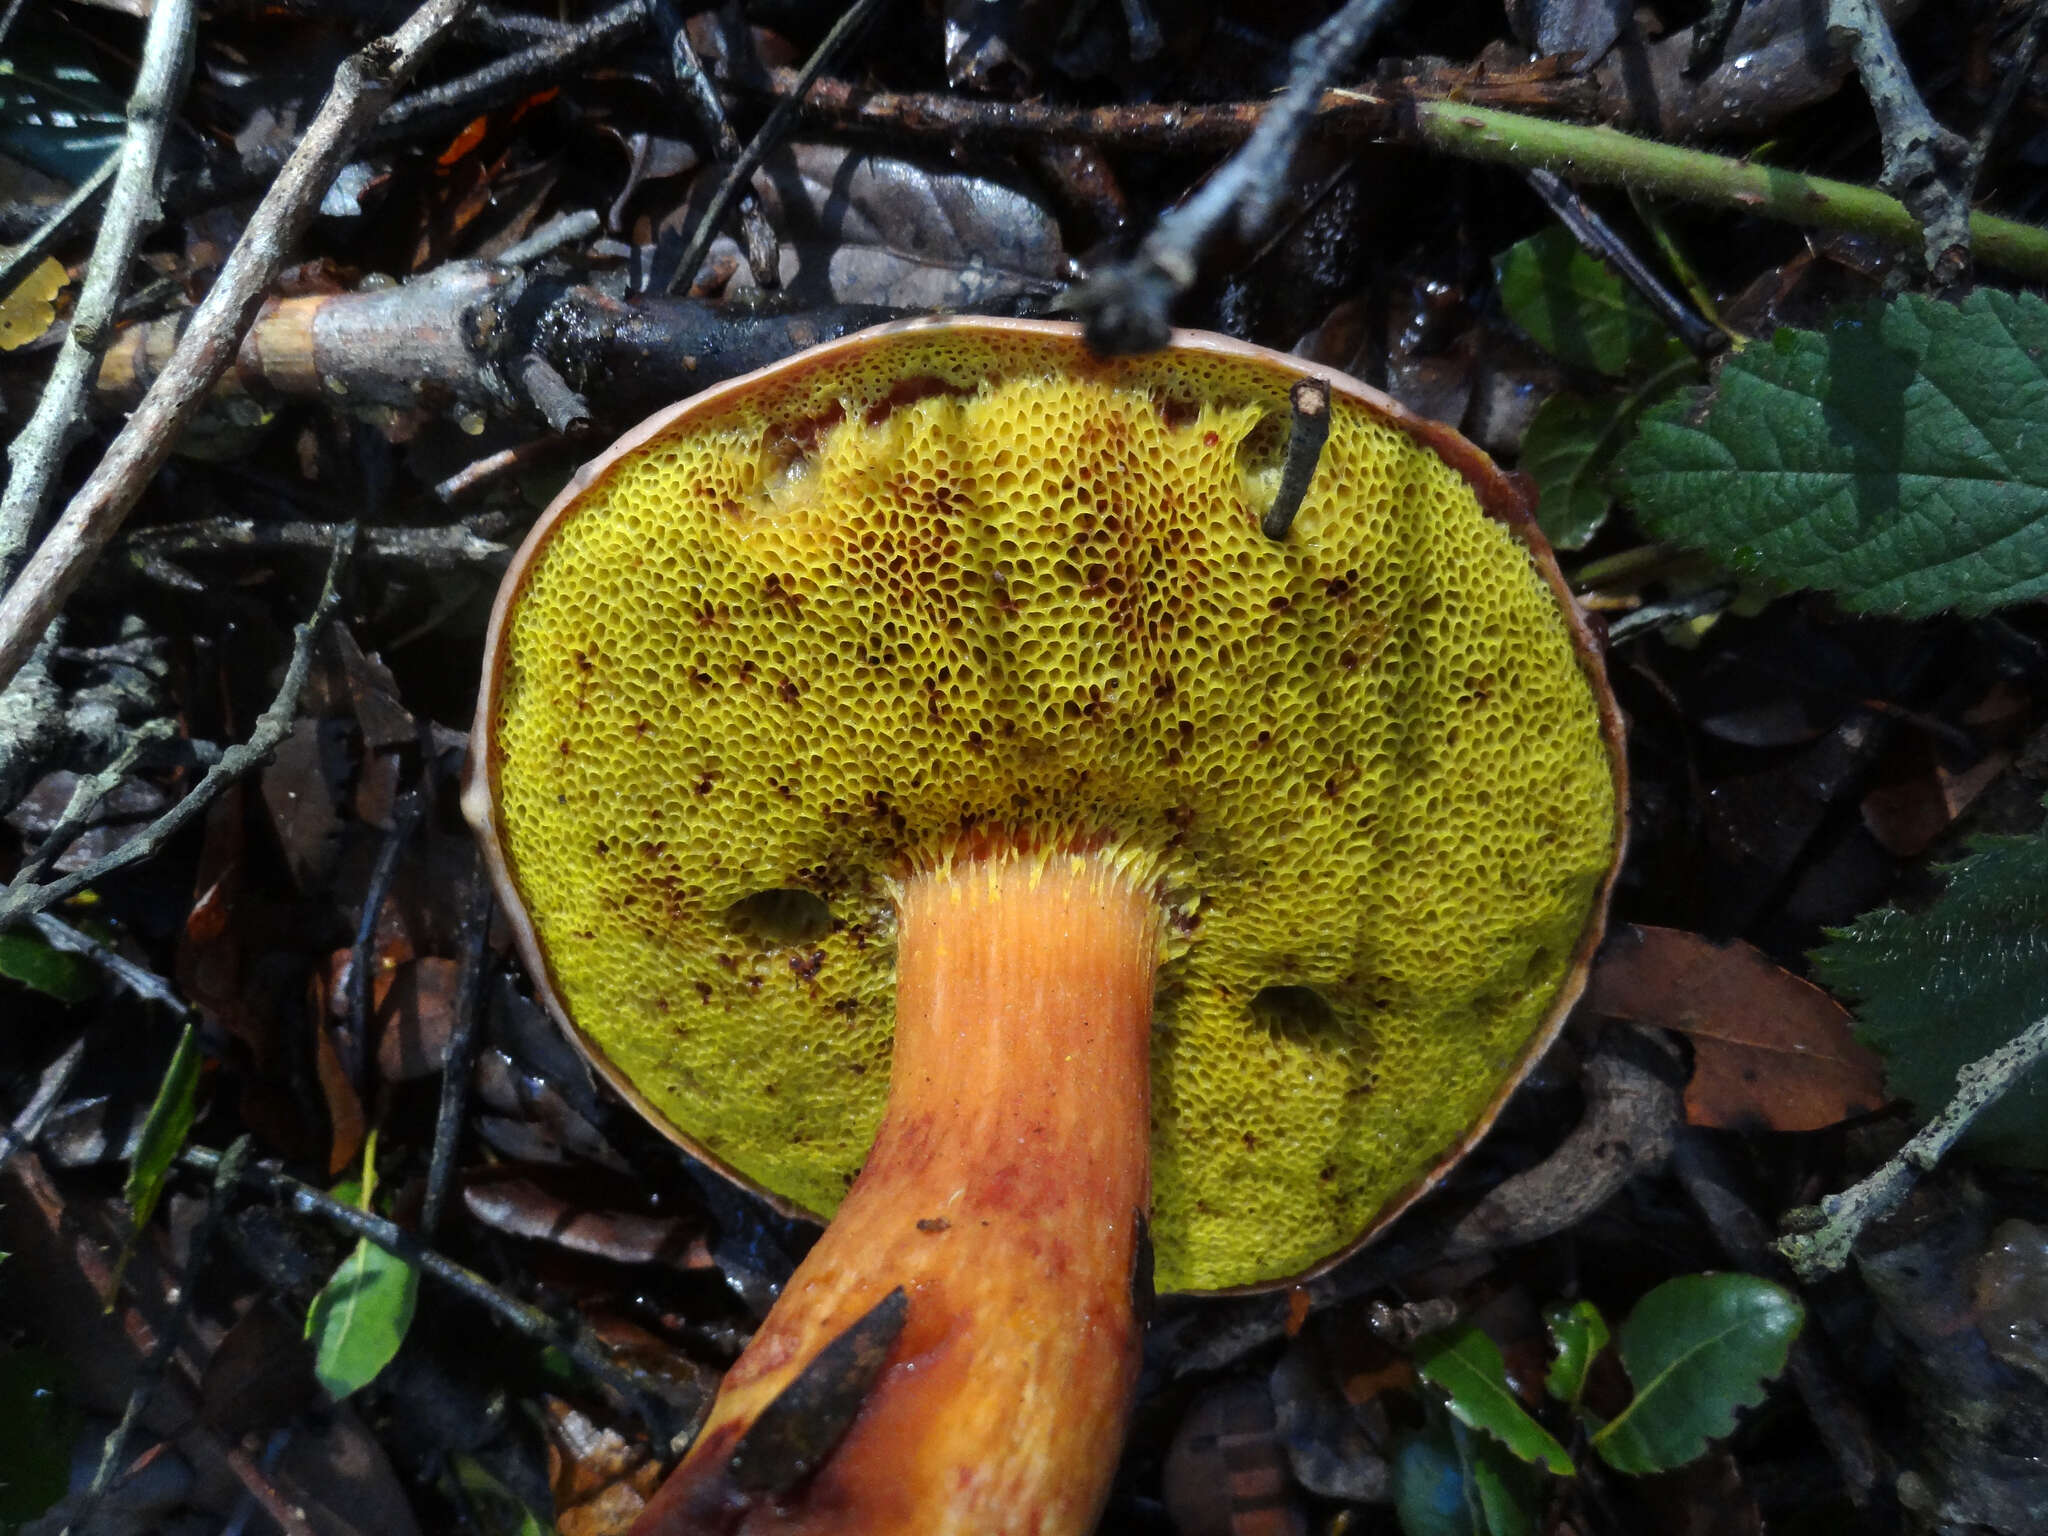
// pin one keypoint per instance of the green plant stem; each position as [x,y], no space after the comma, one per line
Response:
[1605,156]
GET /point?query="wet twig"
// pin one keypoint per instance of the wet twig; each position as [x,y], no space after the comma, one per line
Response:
[562,230]
[140,980]
[844,30]
[1126,307]
[1820,1238]
[464,1037]
[24,897]
[1601,240]
[474,543]
[85,799]
[529,1321]
[36,455]
[1925,165]
[363,86]
[702,100]
[448,106]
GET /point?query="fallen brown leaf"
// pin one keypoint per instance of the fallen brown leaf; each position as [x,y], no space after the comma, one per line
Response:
[1770,1050]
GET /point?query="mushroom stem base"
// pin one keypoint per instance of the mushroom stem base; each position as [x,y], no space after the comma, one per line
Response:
[1006,1194]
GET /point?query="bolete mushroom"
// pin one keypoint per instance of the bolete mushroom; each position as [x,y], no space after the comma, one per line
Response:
[919,784]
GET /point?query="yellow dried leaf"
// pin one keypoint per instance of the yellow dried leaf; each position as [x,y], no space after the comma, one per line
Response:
[26,313]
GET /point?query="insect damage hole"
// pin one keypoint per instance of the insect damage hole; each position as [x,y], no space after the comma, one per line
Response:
[784,915]
[1299,1014]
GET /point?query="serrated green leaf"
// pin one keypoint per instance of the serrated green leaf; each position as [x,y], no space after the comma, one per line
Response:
[1467,1365]
[1450,1481]
[164,1130]
[1696,1349]
[360,1318]
[1577,1333]
[1898,458]
[28,960]
[1936,990]
[1577,310]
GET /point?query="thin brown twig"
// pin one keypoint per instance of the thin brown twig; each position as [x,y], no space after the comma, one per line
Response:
[363,86]
[37,453]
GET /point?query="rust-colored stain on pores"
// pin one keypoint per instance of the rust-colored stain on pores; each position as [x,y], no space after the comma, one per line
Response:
[814,631]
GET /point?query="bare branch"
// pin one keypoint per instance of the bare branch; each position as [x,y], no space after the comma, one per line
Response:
[363,86]
[38,453]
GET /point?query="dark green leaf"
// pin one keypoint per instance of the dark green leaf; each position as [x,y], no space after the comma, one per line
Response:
[1696,1349]
[1577,1333]
[360,1318]
[1449,1481]
[1941,988]
[41,1420]
[500,1511]
[1898,458]
[1570,443]
[1467,1365]
[164,1131]
[28,960]
[1577,310]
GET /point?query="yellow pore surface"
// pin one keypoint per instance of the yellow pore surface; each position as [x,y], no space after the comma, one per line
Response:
[977,580]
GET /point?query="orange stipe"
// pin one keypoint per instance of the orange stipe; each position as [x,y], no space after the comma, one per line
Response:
[1004,1193]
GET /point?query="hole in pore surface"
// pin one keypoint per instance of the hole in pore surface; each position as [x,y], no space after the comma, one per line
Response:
[1294,1013]
[781,916]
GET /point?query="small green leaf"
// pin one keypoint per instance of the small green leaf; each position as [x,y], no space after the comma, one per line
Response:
[41,1417]
[28,960]
[1467,1365]
[1696,1349]
[500,1511]
[1570,443]
[1577,1333]
[1577,310]
[1449,1481]
[164,1131]
[1898,458]
[1936,990]
[360,1318]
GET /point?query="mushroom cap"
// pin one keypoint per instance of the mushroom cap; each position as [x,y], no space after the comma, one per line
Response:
[955,581]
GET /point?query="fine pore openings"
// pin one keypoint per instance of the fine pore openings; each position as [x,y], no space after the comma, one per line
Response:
[1294,1013]
[781,916]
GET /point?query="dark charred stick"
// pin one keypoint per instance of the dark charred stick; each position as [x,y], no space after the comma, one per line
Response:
[700,97]
[512,29]
[446,107]
[463,1040]
[563,409]
[144,983]
[529,1321]
[844,30]
[1714,1186]
[60,223]
[791,1437]
[1600,240]
[7,21]
[1126,307]
[1308,428]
